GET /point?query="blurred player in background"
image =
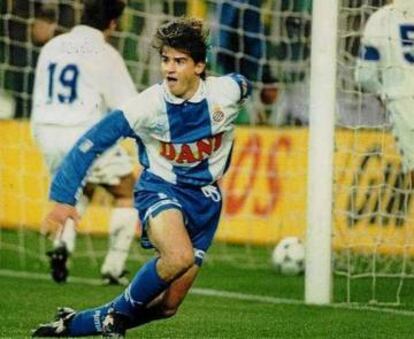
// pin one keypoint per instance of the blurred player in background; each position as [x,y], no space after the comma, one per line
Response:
[79,79]
[386,67]
[184,129]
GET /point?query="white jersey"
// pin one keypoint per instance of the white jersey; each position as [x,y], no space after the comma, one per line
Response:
[386,64]
[79,78]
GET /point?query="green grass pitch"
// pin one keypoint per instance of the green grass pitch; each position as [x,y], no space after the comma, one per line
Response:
[231,298]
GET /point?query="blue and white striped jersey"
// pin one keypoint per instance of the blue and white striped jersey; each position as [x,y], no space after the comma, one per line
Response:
[182,141]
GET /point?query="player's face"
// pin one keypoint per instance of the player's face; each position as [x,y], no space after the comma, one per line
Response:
[181,73]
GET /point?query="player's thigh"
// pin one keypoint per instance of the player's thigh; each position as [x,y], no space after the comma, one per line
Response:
[168,234]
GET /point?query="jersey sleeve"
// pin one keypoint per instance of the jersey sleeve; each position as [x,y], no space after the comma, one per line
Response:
[372,38]
[239,86]
[70,178]
[367,71]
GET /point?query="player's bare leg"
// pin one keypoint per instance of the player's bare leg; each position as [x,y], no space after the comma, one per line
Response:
[174,266]
[121,231]
[167,303]
[169,236]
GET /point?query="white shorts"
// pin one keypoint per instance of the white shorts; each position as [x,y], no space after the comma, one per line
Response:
[56,141]
[402,118]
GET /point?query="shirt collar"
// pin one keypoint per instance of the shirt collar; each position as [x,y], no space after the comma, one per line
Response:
[198,96]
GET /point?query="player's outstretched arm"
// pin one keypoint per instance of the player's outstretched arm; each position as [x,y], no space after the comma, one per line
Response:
[69,180]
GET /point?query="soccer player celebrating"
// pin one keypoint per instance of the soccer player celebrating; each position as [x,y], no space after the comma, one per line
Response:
[386,67]
[184,130]
[79,78]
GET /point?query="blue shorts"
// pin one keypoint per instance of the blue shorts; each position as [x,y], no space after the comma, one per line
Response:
[200,206]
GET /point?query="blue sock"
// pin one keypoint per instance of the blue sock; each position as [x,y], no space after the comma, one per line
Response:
[88,322]
[145,286]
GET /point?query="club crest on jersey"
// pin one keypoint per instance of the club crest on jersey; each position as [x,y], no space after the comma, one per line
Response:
[218,114]
[191,152]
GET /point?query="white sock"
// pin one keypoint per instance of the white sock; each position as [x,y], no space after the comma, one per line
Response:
[121,233]
[66,236]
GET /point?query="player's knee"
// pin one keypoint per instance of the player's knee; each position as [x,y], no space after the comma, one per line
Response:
[177,264]
[184,261]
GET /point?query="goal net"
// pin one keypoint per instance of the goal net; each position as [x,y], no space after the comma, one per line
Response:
[259,210]
[266,187]
[373,218]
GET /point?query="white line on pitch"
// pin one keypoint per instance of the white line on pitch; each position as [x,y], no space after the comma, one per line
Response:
[218,293]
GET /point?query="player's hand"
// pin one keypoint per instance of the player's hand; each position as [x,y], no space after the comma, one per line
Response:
[58,216]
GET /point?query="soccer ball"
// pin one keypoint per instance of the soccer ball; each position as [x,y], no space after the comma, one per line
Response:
[288,256]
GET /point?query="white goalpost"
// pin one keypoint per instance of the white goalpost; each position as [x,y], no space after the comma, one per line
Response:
[318,276]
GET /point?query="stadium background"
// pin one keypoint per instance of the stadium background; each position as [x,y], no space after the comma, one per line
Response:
[266,187]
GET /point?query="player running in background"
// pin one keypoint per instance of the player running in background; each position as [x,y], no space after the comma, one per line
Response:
[79,79]
[386,67]
[184,130]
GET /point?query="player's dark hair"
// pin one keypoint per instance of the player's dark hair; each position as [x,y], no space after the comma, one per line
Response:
[184,34]
[99,13]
